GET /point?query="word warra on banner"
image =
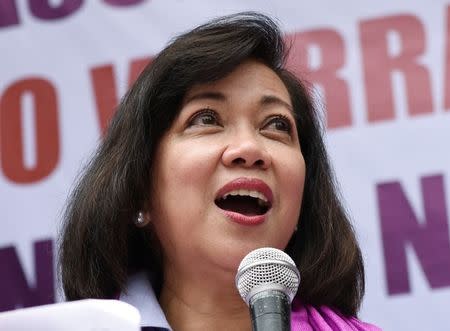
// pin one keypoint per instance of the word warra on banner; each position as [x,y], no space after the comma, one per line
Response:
[388,45]
[401,228]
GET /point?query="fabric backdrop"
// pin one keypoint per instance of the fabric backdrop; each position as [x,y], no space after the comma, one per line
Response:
[381,70]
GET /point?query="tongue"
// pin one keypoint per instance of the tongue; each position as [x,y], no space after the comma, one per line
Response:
[242,205]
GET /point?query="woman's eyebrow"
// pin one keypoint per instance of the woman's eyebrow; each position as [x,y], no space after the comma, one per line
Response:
[272,100]
[266,100]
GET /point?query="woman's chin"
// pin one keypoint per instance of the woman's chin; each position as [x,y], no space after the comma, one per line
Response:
[231,258]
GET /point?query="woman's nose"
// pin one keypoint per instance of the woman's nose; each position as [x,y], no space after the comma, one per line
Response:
[246,150]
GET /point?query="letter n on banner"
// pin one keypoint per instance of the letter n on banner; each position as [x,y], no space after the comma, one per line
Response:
[400,227]
[15,292]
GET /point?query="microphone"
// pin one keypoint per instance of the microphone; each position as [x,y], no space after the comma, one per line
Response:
[267,280]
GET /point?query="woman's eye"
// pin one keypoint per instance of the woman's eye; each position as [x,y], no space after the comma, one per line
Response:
[279,123]
[204,117]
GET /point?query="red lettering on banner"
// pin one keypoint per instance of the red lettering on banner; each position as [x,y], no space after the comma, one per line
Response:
[14,288]
[378,65]
[400,227]
[46,128]
[8,13]
[106,96]
[44,9]
[136,67]
[326,75]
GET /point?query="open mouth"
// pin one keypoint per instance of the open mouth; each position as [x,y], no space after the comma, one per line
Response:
[248,203]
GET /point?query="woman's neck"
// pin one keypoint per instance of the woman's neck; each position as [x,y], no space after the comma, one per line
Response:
[193,303]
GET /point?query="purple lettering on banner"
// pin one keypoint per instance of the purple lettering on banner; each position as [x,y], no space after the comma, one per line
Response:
[8,13]
[15,292]
[123,2]
[44,10]
[430,239]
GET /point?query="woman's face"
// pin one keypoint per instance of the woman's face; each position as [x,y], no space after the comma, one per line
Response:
[228,175]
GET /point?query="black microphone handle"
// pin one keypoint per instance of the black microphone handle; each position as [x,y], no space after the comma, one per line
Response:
[270,310]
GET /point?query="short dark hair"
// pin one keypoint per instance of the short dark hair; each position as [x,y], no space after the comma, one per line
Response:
[100,244]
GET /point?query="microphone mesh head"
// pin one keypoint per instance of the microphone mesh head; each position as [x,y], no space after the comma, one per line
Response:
[267,266]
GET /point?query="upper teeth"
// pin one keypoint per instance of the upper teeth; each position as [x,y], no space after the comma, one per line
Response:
[253,194]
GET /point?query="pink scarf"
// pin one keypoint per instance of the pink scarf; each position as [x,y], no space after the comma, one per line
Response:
[307,318]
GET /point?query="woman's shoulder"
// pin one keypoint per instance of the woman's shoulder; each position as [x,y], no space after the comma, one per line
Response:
[309,318]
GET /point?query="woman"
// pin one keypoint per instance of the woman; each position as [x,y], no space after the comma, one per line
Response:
[215,151]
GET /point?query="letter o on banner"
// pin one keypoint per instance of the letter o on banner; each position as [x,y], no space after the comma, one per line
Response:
[46,131]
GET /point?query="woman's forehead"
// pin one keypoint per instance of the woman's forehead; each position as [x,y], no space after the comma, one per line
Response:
[251,73]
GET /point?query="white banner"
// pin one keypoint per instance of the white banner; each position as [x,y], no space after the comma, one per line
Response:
[382,70]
